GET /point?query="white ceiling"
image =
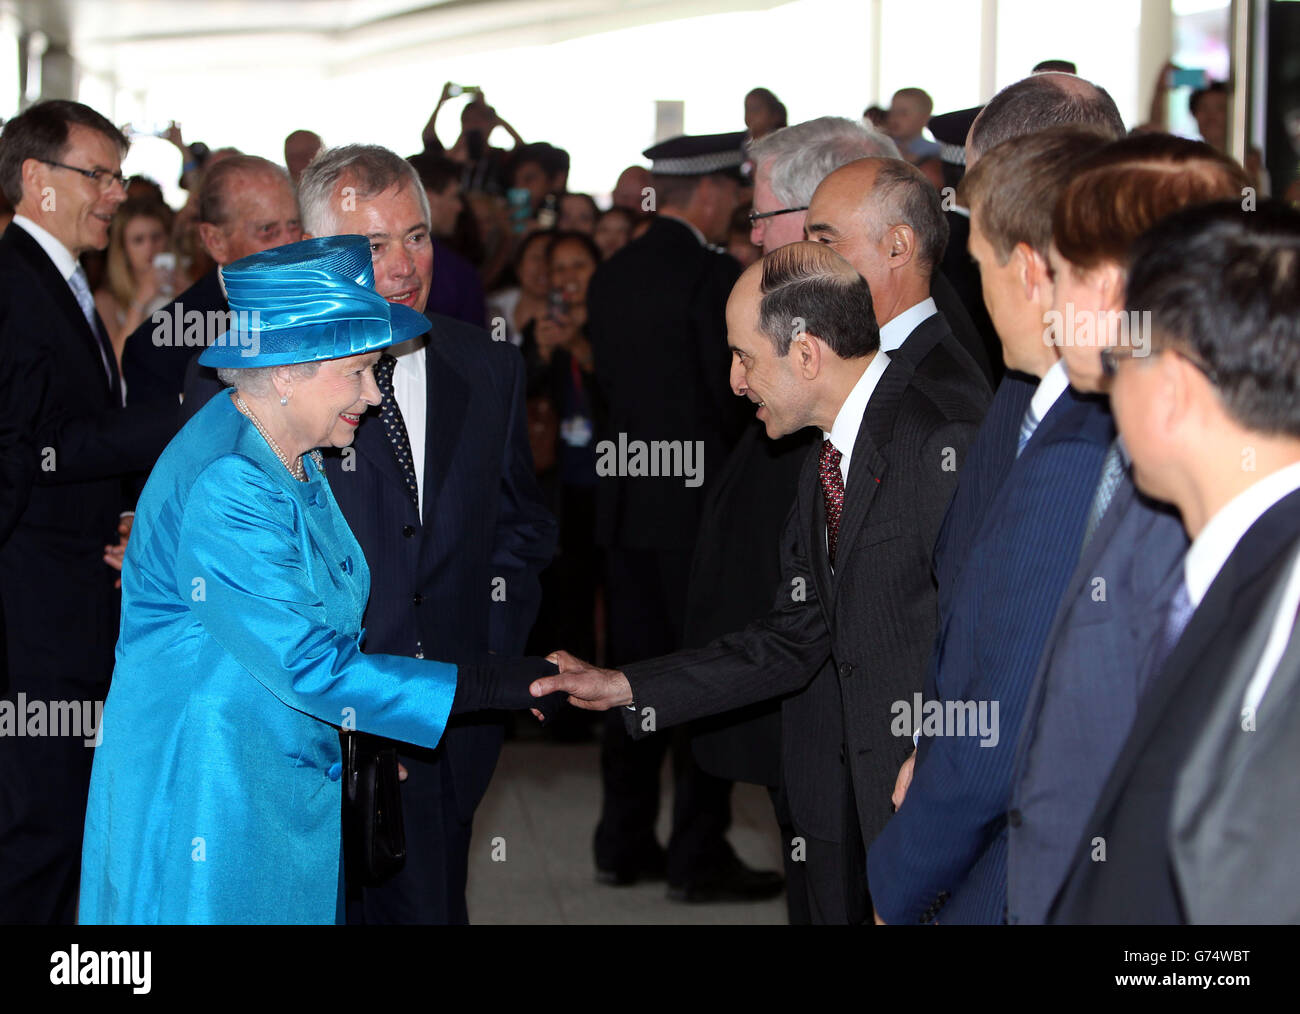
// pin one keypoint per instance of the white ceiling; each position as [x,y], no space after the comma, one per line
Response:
[130,41]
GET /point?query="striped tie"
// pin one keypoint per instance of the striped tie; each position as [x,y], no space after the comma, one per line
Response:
[1027,426]
[1112,470]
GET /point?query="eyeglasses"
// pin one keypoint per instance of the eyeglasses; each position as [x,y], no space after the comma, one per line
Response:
[1111,357]
[757,216]
[102,178]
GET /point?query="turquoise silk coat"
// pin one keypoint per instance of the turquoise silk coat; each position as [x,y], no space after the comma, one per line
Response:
[215,795]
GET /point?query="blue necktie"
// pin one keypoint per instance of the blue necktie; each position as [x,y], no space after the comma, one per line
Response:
[1027,426]
[1112,470]
[81,290]
[1176,618]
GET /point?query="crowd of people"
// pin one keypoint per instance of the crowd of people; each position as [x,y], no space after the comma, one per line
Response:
[966,521]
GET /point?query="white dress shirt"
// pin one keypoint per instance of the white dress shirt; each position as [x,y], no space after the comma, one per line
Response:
[1212,547]
[844,431]
[1049,390]
[893,334]
[410,388]
[58,254]
[1283,622]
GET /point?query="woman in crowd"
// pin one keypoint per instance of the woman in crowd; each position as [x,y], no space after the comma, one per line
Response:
[613,230]
[557,356]
[1115,196]
[578,213]
[135,282]
[215,794]
[524,302]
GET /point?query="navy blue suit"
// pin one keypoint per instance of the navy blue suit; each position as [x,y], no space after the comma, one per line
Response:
[434,586]
[1085,694]
[1001,601]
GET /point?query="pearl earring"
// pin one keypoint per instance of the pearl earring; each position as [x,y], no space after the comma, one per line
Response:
[284,399]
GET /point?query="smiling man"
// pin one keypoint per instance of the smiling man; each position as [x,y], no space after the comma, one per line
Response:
[855,588]
[440,494]
[66,445]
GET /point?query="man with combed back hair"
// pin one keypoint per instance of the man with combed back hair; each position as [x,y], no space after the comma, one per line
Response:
[853,620]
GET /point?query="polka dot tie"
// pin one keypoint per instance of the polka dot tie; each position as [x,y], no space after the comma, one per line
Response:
[391,417]
[833,494]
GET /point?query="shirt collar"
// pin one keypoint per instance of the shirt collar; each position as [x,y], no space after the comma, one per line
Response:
[894,333]
[1210,549]
[844,431]
[58,254]
[1049,389]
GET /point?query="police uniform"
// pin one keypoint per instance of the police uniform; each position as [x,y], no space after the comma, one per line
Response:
[657,324]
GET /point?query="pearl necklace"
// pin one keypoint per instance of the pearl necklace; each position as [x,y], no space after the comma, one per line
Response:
[296,469]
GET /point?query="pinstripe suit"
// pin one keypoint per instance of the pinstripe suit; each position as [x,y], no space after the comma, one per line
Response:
[846,642]
[1002,598]
[1085,693]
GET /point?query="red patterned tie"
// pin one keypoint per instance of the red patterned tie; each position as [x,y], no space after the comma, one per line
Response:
[833,494]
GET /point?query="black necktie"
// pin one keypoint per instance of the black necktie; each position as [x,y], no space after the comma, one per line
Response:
[391,416]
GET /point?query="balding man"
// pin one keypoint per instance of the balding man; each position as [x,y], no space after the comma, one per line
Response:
[884,218]
[246,204]
[855,585]
[300,147]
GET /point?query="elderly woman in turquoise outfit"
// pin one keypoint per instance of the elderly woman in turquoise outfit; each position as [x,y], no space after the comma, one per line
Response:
[215,795]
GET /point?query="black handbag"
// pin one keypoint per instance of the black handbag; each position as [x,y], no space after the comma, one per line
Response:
[374,839]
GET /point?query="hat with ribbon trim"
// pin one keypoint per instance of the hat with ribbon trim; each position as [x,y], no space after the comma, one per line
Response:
[305,302]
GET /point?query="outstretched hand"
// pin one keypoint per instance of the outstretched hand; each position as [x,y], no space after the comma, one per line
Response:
[588,687]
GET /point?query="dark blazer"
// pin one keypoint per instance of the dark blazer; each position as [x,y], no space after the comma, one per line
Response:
[991,636]
[154,372]
[873,617]
[1085,692]
[964,328]
[457,290]
[432,579]
[736,570]
[67,448]
[1234,847]
[657,323]
[1136,883]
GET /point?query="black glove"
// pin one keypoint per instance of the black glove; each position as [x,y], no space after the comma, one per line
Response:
[495,682]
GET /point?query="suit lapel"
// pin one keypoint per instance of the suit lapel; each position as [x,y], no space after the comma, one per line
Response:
[867,466]
[60,291]
[448,402]
[813,518]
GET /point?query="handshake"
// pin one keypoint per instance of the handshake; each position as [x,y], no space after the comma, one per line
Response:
[588,687]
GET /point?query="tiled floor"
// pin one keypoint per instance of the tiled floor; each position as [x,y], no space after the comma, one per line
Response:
[530,860]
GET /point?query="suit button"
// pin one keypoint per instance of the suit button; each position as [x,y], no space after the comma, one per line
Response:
[846,670]
[1015,819]
[841,755]
[335,772]
[408,531]
[417,598]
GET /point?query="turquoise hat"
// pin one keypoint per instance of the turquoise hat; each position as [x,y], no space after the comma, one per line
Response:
[305,302]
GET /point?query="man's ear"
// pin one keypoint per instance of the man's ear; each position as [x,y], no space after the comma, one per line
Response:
[214,241]
[807,350]
[34,177]
[902,246]
[1110,282]
[1033,271]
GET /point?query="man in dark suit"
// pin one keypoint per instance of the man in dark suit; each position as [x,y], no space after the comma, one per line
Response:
[656,324]
[246,204]
[856,589]
[1089,680]
[1210,418]
[68,446]
[1011,548]
[441,496]
[736,570]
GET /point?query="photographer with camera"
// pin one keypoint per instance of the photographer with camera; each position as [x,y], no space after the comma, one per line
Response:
[484,164]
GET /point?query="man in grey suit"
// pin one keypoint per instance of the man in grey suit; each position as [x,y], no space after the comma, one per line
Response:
[1235,828]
